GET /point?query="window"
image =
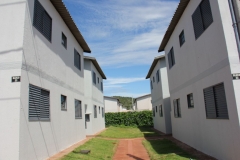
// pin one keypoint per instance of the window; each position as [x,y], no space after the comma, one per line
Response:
[181,38]
[177,109]
[156,109]
[99,109]
[39,106]
[87,117]
[98,79]
[153,79]
[77,59]
[95,111]
[78,109]
[101,86]
[151,85]
[190,101]
[42,21]
[64,40]
[202,18]
[85,108]
[63,102]
[171,59]
[160,111]
[215,102]
[153,110]
[102,112]
[157,76]
[94,77]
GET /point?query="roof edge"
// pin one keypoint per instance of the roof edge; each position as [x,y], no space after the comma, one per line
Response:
[153,65]
[95,63]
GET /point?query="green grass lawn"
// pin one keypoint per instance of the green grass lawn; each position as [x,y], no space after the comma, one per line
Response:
[100,150]
[128,132]
[165,149]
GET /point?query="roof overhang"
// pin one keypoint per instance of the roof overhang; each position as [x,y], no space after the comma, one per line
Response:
[64,13]
[156,59]
[147,95]
[178,14]
[112,98]
[95,63]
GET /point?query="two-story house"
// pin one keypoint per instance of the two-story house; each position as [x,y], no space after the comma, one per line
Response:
[94,103]
[203,67]
[112,104]
[142,103]
[42,79]
[160,95]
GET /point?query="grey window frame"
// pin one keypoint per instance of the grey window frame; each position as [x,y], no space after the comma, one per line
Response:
[177,108]
[153,110]
[181,38]
[215,102]
[95,111]
[160,110]
[202,19]
[151,84]
[156,109]
[99,108]
[39,104]
[65,103]
[77,59]
[78,111]
[64,40]
[153,79]
[103,113]
[171,58]
[94,77]
[101,86]
[189,100]
[40,16]
[157,76]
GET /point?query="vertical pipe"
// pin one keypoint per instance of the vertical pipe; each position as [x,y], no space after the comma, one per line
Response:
[235,27]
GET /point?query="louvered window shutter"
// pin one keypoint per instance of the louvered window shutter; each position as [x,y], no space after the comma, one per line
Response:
[197,22]
[169,60]
[44,113]
[47,26]
[220,100]
[206,13]
[209,103]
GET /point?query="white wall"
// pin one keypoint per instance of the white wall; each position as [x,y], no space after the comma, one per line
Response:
[50,66]
[12,14]
[143,103]
[93,96]
[111,105]
[199,64]
[161,96]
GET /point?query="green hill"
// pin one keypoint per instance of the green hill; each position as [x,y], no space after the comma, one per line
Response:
[126,101]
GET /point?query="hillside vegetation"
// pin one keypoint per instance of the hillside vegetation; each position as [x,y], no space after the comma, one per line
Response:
[126,101]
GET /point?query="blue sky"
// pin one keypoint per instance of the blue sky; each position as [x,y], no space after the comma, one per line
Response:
[124,36]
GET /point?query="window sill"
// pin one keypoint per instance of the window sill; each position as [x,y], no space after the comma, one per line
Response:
[63,109]
[78,117]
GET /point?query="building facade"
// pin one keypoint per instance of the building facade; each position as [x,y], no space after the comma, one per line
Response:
[203,71]
[42,79]
[94,104]
[112,104]
[143,103]
[160,95]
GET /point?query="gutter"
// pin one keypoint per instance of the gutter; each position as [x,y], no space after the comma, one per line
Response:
[235,27]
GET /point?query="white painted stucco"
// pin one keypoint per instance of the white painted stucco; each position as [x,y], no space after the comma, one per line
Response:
[143,103]
[93,96]
[201,63]
[111,104]
[27,53]
[161,96]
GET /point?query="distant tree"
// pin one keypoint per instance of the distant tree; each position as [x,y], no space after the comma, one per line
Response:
[126,101]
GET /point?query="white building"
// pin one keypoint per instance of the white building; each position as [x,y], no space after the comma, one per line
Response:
[112,104]
[203,73]
[161,104]
[143,103]
[94,104]
[42,79]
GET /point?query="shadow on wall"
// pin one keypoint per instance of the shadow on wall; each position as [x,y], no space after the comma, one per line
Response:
[167,150]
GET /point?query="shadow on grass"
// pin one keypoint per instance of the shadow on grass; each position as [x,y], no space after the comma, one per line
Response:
[148,131]
[165,149]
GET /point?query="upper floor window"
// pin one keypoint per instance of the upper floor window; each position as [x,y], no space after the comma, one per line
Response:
[94,77]
[156,108]
[171,58]
[160,111]
[63,102]
[177,109]
[190,100]
[78,109]
[64,40]
[153,110]
[215,102]
[181,38]
[42,21]
[153,79]
[98,79]
[77,59]
[95,111]
[151,85]
[101,86]
[157,76]
[202,18]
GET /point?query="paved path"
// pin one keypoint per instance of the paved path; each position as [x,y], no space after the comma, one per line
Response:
[131,149]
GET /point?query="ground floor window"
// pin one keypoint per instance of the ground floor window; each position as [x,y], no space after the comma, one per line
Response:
[160,111]
[63,102]
[177,109]
[95,111]
[190,100]
[78,109]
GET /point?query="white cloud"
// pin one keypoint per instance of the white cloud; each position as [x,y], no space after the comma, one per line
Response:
[114,81]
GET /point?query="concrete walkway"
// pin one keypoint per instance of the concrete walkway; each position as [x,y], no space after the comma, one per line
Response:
[131,149]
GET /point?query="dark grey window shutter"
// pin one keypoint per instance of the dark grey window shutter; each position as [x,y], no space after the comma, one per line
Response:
[206,13]
[47,26]
[77,59]
[179,108]
[220,100]
[172,57]
[197,22]
[44,113]
[209,103]
[169,60]
[175,108]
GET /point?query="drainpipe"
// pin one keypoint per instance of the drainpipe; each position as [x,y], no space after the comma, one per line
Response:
[235,26]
